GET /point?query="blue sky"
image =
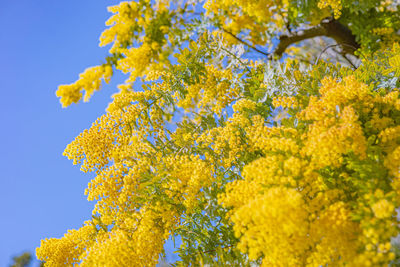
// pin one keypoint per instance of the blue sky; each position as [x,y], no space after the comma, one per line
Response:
[44,44]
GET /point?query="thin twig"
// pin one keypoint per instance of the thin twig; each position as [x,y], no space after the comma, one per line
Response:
[351,63]
[330,46]
[246,43]
[239,59]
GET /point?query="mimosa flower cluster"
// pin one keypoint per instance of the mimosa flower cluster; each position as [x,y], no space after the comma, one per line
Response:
[326,188]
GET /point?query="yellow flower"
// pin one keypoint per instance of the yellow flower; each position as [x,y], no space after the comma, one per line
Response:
[383,209]
[89,81]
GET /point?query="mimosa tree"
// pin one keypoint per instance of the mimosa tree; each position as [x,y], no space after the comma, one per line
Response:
[258,132]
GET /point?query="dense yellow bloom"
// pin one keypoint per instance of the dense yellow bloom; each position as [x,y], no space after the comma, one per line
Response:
[67,250]
[335,5]
[136,61]
[383,208]
[191,146]
[215,91]
[297,162]
[273,224]
[189,175]
[244,104]
[89,81]
[285,102]
[138,241]
[256,16]
[122,23]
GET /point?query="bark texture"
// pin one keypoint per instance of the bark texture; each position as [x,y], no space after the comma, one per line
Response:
[328,27]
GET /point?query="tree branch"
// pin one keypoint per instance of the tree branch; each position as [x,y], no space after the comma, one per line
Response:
[328,27]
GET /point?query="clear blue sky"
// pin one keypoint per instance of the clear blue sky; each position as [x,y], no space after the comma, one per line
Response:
[44,44]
